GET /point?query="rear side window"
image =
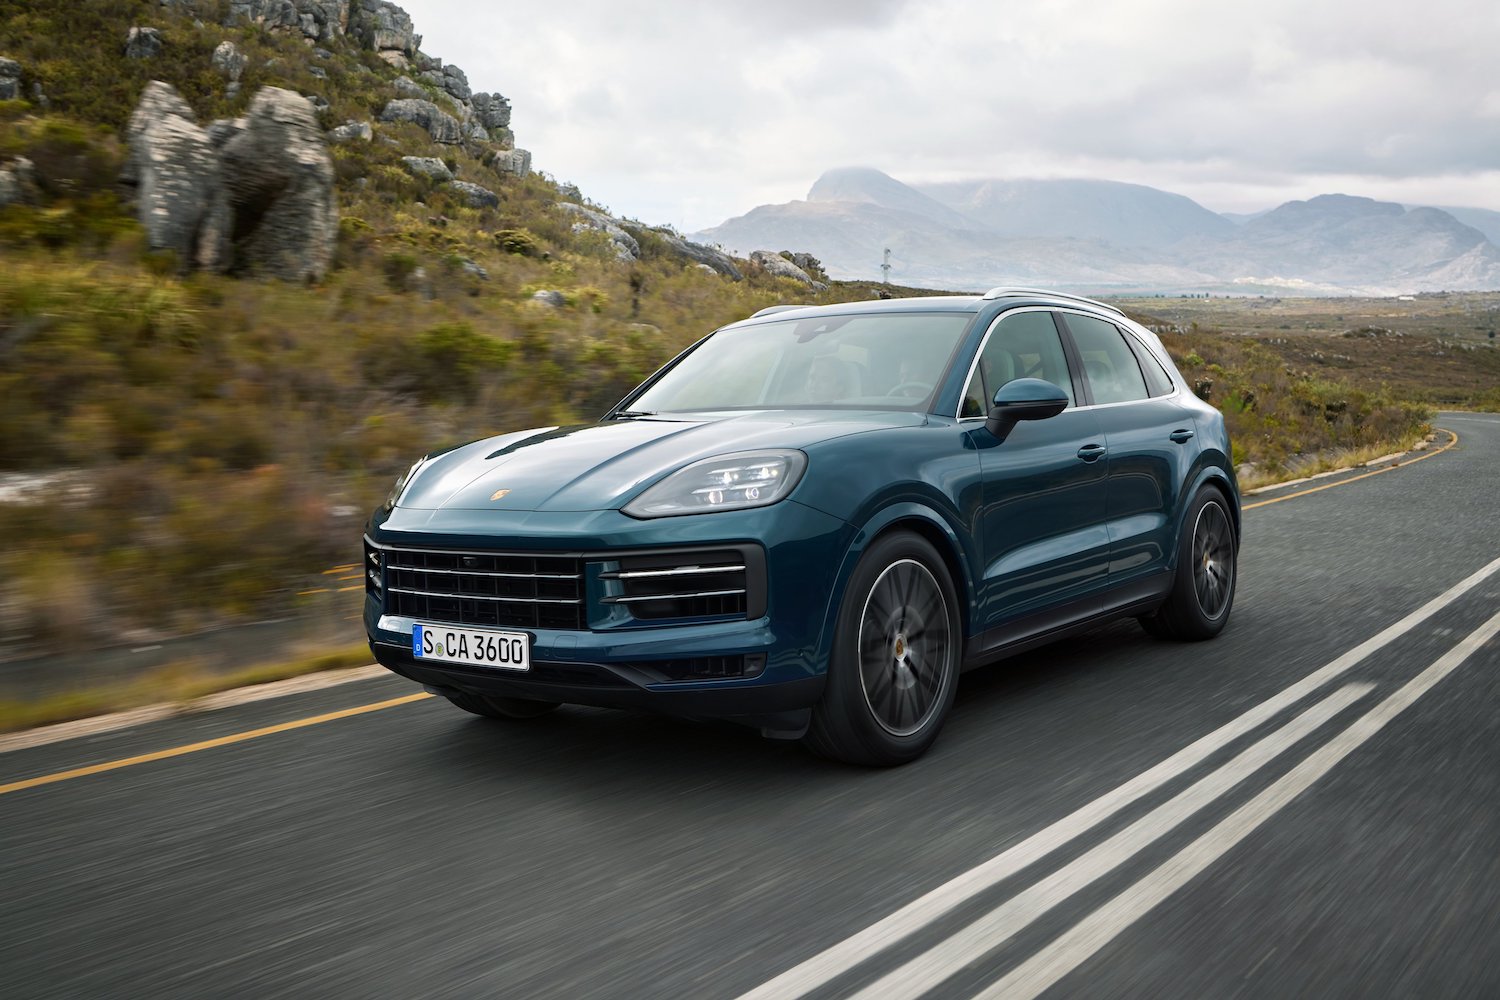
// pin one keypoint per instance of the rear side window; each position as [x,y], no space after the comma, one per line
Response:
[1157,379]
[1024,345]
[1113,373]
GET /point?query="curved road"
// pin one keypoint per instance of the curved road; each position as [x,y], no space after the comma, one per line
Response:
[1307,806]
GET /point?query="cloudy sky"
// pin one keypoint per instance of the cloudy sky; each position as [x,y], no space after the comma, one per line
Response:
[690,113]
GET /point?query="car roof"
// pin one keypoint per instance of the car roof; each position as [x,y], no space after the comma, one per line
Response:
[934,303]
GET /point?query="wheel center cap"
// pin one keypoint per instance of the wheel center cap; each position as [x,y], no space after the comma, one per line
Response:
[899,647]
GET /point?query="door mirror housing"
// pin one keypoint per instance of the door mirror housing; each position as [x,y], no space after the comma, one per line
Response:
[1024,399]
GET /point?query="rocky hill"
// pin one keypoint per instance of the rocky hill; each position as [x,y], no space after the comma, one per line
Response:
[1107,237]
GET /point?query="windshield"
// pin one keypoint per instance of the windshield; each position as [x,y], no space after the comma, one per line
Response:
[880,361]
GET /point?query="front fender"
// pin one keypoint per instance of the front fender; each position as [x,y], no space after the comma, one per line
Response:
[926,521]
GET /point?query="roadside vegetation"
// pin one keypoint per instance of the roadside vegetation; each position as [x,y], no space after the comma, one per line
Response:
[179,452]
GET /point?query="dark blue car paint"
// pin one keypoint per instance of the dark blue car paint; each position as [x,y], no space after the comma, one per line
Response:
[1039,535]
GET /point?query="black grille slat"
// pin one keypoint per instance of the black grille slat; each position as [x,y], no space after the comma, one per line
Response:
[497,589]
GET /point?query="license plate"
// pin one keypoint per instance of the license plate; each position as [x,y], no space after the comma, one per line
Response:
[477,647]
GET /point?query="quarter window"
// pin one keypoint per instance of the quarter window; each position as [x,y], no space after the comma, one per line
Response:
[1114,375]
[1023,345]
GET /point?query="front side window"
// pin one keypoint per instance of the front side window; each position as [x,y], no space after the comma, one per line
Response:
[877,361]
[1023,345]
[1113,373]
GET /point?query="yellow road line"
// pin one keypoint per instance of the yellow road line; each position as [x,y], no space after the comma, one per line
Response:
[340,569]
[1355,479]
[357,586]
[146,758]
[309,593]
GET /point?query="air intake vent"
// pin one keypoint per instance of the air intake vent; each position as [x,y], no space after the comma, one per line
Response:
[714,583]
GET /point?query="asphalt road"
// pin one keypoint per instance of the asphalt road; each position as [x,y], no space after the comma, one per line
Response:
[1307,806]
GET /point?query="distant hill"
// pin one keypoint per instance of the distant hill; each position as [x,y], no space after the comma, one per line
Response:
[1113,237]
[1125,214]
[1482,219]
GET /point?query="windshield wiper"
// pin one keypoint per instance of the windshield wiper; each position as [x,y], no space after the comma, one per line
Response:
[631,413]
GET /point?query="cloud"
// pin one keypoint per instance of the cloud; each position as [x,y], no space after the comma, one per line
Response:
[701,111]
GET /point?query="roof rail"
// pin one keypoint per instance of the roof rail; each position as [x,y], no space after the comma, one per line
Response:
[768,310]
[1004,291]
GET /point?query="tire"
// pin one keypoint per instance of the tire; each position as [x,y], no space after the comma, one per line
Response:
[894,665]
[1207,570]
[501,708]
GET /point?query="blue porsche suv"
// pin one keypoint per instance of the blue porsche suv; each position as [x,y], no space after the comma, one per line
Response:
[813,520]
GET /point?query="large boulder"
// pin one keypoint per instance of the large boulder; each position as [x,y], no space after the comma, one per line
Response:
[10,79]
[143,43]
[492,110]
[229,61]
[384,27]
[179,193]
[516,162]
[427,166]
[352,131]
[442,126]
[475,196]
[279,178]
[18,182]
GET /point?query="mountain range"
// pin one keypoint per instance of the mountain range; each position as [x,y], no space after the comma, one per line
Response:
[1110,237]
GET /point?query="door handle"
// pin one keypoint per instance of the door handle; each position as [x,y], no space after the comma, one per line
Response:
[1091,452]
[1181,435]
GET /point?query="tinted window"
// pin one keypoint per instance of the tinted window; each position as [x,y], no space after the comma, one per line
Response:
[1108,362]
[1157,379]
[1024,345]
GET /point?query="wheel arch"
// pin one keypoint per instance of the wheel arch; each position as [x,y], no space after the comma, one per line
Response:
[920,520]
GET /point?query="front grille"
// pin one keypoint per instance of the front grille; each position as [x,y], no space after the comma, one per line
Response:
[698,584]
[507,589]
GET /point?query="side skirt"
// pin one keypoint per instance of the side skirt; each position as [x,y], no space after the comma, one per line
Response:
[1136,597]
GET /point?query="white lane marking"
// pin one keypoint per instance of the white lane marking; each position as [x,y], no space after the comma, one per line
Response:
[1096,930]
[973,942]
[60,731]
[840,958]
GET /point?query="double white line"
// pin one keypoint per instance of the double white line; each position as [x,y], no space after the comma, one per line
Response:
[1056,959]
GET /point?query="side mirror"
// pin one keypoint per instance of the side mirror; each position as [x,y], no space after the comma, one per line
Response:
[1024,399]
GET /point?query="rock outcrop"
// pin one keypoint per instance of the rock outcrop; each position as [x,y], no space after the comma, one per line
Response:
[695,253]
[143,43]
[230,62]
[778,266]
[279,178]
[492,110]
[427,166]
[442,126]
[254,194]
[18,182]
[351,132]
[179,193]
[475,196]
[10,79]
[584,219]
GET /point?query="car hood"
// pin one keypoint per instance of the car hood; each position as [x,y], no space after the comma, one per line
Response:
[602,466]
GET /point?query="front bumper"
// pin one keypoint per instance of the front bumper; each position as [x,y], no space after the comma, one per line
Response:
[780,655]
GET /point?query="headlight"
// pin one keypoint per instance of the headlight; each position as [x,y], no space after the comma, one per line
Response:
[729,482]
[401,481]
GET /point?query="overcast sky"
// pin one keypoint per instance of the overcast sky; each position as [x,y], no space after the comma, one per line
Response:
[690,113]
